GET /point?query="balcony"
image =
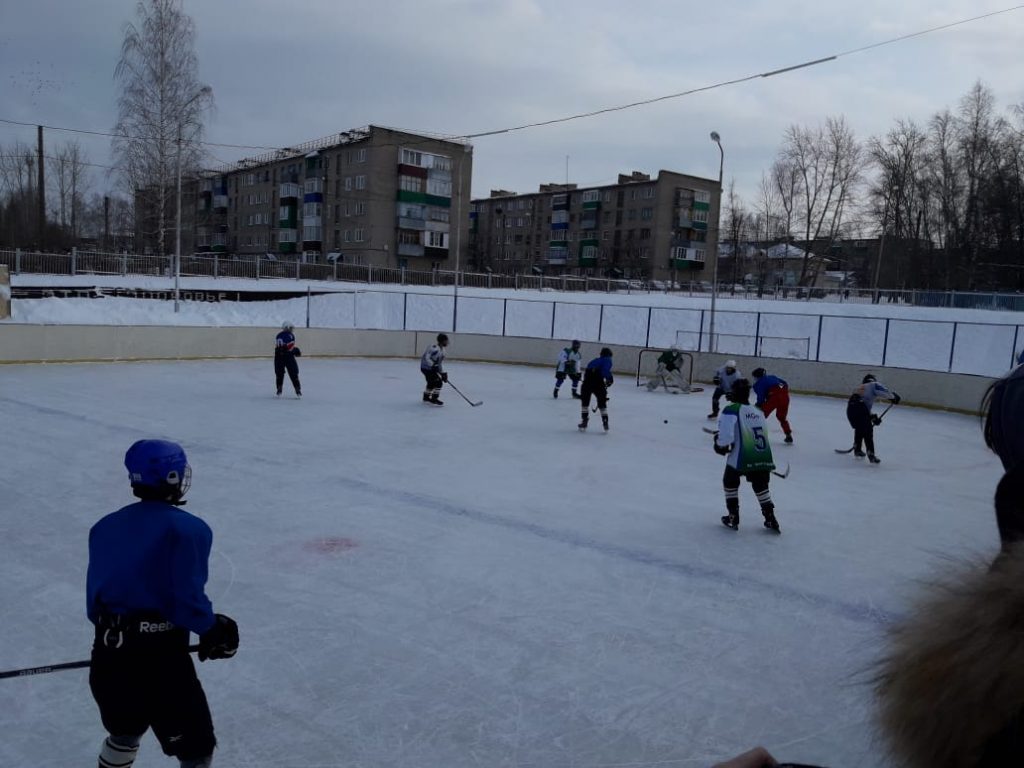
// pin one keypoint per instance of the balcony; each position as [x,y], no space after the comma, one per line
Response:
[405,222]
[410,249]
[684,220]
[220,202]
[289,190]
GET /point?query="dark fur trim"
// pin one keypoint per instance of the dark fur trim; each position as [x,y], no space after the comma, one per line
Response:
[951,689]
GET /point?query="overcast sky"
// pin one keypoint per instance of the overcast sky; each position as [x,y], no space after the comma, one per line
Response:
[286,72]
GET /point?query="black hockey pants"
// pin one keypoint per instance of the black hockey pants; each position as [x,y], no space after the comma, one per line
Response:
[758,481]
[286,361]
[859,416]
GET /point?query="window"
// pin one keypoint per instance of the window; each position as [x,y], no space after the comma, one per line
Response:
[410,211]
[702,196]
[631,214]
[649,193]
[360,209]
[591,196]
[361,155]
[606,235]
[441,163]
[410,157]
[409,183]
[699,215]
[439,188]
[348,235]
[361,179]
[646,214]
[645,234]
[608,196]
[357,235]
[559,217]
[437,239]
[589,252]
[645,253]
[408,237]
[559,234]
[558,200]
[311,209]
[348,183]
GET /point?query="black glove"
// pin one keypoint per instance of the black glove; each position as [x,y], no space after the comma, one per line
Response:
[722,450]
[296,351]
[895,399]
[716,381]
[876,419]
[221,640]
[444,377]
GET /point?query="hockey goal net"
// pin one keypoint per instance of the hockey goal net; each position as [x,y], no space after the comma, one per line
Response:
[791,347]
[680,381]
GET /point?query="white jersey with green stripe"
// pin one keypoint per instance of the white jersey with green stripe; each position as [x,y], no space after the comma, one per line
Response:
[744,428]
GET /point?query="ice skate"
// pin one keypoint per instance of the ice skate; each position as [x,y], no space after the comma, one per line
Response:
[771,523]
[713,415]
[604,421]
[789,439]
[874,459]
[731,521]
[435,400]
[278,393]
[858,453]
[583,424]
[576,395]
[555,393]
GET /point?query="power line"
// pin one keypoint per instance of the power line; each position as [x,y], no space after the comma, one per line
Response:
[604,110]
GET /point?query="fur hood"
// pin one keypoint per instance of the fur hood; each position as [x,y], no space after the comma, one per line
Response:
[951,689]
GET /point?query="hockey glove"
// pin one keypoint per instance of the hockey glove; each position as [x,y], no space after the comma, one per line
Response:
[297,352]
[221,640]
[717,381]
[444,377]
[723,450]
[895,399]
[876,419]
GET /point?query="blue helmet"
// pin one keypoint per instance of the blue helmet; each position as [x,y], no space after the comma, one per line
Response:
[159,465]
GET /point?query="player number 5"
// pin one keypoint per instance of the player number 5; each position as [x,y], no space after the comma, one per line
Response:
[759,441]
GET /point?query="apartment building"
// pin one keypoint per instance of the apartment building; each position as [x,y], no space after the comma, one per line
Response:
[643,228]
[371,195]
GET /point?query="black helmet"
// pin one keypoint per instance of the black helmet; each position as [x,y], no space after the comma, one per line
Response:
[740,392]
[868,379]
[575,343]
[757,373]
[442,339]
[605,352]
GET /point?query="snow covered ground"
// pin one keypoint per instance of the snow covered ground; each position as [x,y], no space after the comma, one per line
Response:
[481,586]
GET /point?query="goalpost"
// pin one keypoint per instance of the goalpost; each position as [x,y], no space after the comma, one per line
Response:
[790,347]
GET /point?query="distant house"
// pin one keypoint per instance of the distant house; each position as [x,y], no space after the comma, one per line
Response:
[779,264]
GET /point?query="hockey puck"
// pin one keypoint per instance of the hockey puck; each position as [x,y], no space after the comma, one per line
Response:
[666,421]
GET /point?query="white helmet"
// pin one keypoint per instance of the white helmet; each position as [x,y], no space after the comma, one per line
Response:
[730,363]
[287,326]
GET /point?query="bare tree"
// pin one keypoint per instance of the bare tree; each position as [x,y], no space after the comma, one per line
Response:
[735,231]
[827,163]
[160,108]
[17,193]
[68,166]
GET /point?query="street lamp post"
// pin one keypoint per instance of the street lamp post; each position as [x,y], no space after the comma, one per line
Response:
[714,278]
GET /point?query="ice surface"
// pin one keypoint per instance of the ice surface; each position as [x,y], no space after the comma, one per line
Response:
[481,586]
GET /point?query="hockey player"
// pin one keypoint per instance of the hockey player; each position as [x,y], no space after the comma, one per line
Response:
[723,381]
[773,395]
[669,372]
[596,379]
[145,591]
[569,360]
[858,413]
[743,437]
[285,353]
[432,368]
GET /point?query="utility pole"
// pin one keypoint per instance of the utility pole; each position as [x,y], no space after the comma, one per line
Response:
[42,185]
[106,223]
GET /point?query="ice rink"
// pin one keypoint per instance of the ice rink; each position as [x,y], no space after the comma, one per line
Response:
[446,587]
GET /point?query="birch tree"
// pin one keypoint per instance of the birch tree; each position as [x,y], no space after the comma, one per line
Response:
[159,110]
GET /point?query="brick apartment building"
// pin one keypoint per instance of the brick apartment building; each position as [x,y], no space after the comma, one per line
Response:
[642,228]
[372,195]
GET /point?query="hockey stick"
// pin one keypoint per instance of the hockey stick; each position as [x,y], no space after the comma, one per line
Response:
[848,450]
[58,667]
[480,402]
[783,474]
[709,430]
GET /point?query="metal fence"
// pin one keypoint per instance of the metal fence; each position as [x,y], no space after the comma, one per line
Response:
[79,262]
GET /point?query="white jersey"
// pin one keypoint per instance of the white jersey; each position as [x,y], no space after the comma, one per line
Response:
[726,380]
[743,427]
[569,361]
[432,359]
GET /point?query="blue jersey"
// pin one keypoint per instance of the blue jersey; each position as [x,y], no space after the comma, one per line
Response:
[766,384]
[150,557]
[601,366]
[284,343]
